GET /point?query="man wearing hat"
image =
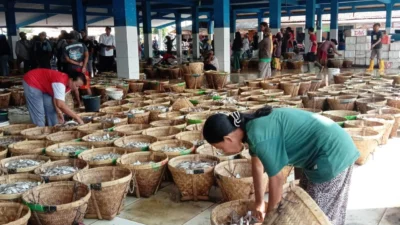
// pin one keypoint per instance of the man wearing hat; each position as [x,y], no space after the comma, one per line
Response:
[23,49]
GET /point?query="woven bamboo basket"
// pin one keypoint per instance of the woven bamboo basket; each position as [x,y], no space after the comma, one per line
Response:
[315,84]
[35,147]
[163,72]
[136,86]
[113,110]
[155,95]
[64,136]
[387,120]
[347,114]
[37,133]
[194,127]
[269,84]
[15,129]
[50,150]
[113,103]
[112,120]
[193,185]
[196,67]
[297,101]
[181,103]
[122,142]
[366,141]
[155,112]
[148,177]
[209,78]
[233,188]
[341,78]
[13,213]
[317,111]
[109,186]
[318,103]
[299,208]
[194,81]
[150,73]
[347,64]
[13,178]
[89,154]
[139,118]
[344,102]
[158,85]
[304,87]
[39,158]
[180,124]
[131,129]
[294,65]
[208,149]
[363,102]
[88,116]
[5,99]
[3,152]
[114,136]
[188,110]
[60,203]
[162,133]
[125,89]
[390,111]
[393,102]
[79,164]
[195,137]
[185,68]
[100,90]
[178,88]
[160,101]
[195,118]
[175,73]
[220,79]
[17,97]
[93,128]
[5,141]
[372,125]
[159,145]
[290,88]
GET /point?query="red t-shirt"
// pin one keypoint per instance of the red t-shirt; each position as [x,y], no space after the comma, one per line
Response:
[46,79]
[313,38]
[290,41]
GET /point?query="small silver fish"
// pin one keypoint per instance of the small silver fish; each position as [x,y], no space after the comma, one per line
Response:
[69,149]
[137,144]
[173,149]
[59,170]
[137,163]
[102,157]
[22,163]
[194,165]
[105,137]
[158,108]
[17,187]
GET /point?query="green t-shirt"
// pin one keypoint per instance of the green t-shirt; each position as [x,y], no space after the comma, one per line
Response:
[305,140]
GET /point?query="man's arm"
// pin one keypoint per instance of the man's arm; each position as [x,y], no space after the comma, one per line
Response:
[379,41]
[64,108]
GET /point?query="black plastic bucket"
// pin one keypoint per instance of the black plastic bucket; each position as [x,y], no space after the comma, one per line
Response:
[92,103]
[3,115]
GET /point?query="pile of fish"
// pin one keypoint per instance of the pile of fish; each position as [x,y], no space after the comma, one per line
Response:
[4,142]
[195,165]
[136,144]
[105,137]
[198,142]
[68,124]
[138,163]
[228,101]
[59,170]
[136,111]
[173,149]
[22,163]
[110,120]
[158,108]
[17,187]
[21,110]
[102,157]
[194,109]
[87,119]
[236,219]
[69,149]
[213,94]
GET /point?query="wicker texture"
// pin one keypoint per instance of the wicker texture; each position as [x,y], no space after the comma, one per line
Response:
[194,127]
[15,129]
[68,197]
[121,142]
[181,103]
[14,213]
[208,149]
[233,188]
[193,186]
[64,136]
[136,86]
[147,176]
[196,67]
[193,82]
[162,133]
[123,120]
[393,102]
[5,99]
[131,129]
[139,118]
[17,97]
[373,125]
[37,133]
[100,134]
[157,147]
[28,147]
[314,102]
[191,136]
[76,163]
[290,88]
[363,102]
[107,200]
[390,111]
[180,124]
[387,120]
[89,154]
[304,87]
[366,141]
[63,155]
[344,102]
[13,178]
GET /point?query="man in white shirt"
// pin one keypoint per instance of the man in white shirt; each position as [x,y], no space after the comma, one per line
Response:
[107,46]
[246,46]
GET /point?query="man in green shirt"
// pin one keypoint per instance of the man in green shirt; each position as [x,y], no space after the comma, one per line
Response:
[285,136]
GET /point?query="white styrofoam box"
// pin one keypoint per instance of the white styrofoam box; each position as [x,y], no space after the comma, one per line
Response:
[364,39]
[360,61]
[384,55]
[350,47]
[385,48]
[394,54]
[363,47]
[350,54]
[351,40]
[395,46]
[362,54]
[358,32]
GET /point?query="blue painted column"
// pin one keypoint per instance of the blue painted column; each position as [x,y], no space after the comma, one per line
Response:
[260,17]
[11,25]
[389,8]
[222,29]
[126,38]
[275,15]
[210,29]
[147,32]
[78,15]
[319,24]
[195,32]
[232,25]
[310,22]
[334,19]
[178,38]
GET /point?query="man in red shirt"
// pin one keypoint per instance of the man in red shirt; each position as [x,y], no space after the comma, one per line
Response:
[312,54]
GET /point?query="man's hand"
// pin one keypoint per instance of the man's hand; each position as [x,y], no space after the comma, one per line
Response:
[260,211]
[84,69]
[60,117]
[79,120]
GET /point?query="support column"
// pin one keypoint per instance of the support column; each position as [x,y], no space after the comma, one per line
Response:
[232,25]
[310,22]
[210,29]
[147,33]
[334,19]
[195,32]
[160,40]
[126,38]
[319,24]
[275,15]
[78,15]
[178,38]
[388,26]
[260,16]
[11,26]
[222,44]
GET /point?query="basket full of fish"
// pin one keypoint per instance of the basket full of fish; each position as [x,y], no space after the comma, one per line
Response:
[147,168]
[22,164]
[61,170]
[173,148]
[109,186]
[135,143]
[67,150]
[5,141]
[208,149]
[196,137]
[99,157]
[193,175]
[13,186]
[101,139]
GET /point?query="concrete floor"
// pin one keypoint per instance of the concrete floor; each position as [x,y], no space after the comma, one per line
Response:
[374,195]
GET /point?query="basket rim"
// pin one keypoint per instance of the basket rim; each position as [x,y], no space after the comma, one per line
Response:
[106,183]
